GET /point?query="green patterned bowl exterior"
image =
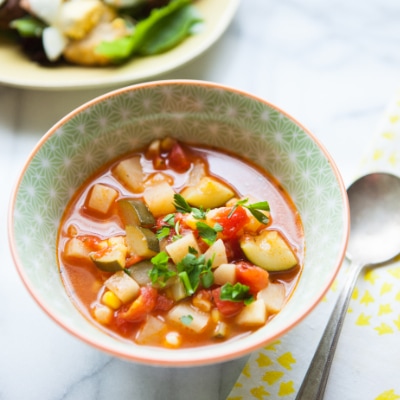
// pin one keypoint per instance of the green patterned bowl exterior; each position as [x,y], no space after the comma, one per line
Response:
[193,111]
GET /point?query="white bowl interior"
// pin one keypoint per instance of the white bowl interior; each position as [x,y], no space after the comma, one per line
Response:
[192,111]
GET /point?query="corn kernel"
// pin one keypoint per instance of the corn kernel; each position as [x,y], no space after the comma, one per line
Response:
[201,302]
[103,314]
[173,339]
[111,300]
[215,315]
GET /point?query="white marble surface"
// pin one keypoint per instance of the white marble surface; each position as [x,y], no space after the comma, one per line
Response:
[333,65]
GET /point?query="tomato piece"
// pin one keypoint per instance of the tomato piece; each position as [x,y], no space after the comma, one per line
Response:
[232,220]
[132,259]
[91,242]
[226,307]
[252,276]
[140,307]
[177,158]
[163,303]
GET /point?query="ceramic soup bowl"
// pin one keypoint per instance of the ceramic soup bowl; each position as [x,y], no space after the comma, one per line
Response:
[193,111]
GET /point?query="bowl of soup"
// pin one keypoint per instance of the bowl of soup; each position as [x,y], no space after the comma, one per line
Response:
[178,223]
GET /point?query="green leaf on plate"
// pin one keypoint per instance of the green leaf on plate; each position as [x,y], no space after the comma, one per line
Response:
[165,28]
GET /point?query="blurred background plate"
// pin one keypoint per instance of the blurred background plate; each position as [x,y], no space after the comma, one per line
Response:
[17,70]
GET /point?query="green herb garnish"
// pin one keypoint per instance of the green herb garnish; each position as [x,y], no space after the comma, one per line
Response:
[236,292]
[184,207]
[181,204]
[193,270]
[161,271]
[255,209]
[208,233]
[165,230]
[199,213]
[163,29]
[186,319]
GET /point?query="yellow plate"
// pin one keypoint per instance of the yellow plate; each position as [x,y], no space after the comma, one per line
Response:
[17,70]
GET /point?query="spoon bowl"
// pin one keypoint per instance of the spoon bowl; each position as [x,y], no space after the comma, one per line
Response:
[374,202]
[375,218]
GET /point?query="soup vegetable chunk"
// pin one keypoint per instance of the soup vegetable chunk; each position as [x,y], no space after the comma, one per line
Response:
[180,246]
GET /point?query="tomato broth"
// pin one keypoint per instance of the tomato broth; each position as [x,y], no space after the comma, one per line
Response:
[152,294]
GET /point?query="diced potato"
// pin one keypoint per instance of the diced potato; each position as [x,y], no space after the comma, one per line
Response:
[218,251]
[76,248]
[141,241]
[273,296]
[208,193]
[189,317]
[225,273]
[177,250]
[130,173]
[216,315]
[160,199]
[151,331]
[268,250]
[123,286]
[101,198]
[254,314]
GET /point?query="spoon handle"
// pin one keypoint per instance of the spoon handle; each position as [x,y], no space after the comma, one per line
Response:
[314,383]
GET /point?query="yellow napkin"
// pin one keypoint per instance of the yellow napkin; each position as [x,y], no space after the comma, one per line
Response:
[367,360]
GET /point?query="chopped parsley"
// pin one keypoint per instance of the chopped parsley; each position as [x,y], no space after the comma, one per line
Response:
[208,233]
[161,271]
[184,207]
[186,319]
[236,292]
[165,230]
[255,209]
[193,270]
[181,204]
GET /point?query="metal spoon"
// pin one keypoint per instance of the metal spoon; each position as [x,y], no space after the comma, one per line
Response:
[374,239]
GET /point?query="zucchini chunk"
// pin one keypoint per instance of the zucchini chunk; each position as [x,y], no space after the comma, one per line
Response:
[141,241]
[268,250]
[135,212]
[140,272]
[208,193]
[113,257]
